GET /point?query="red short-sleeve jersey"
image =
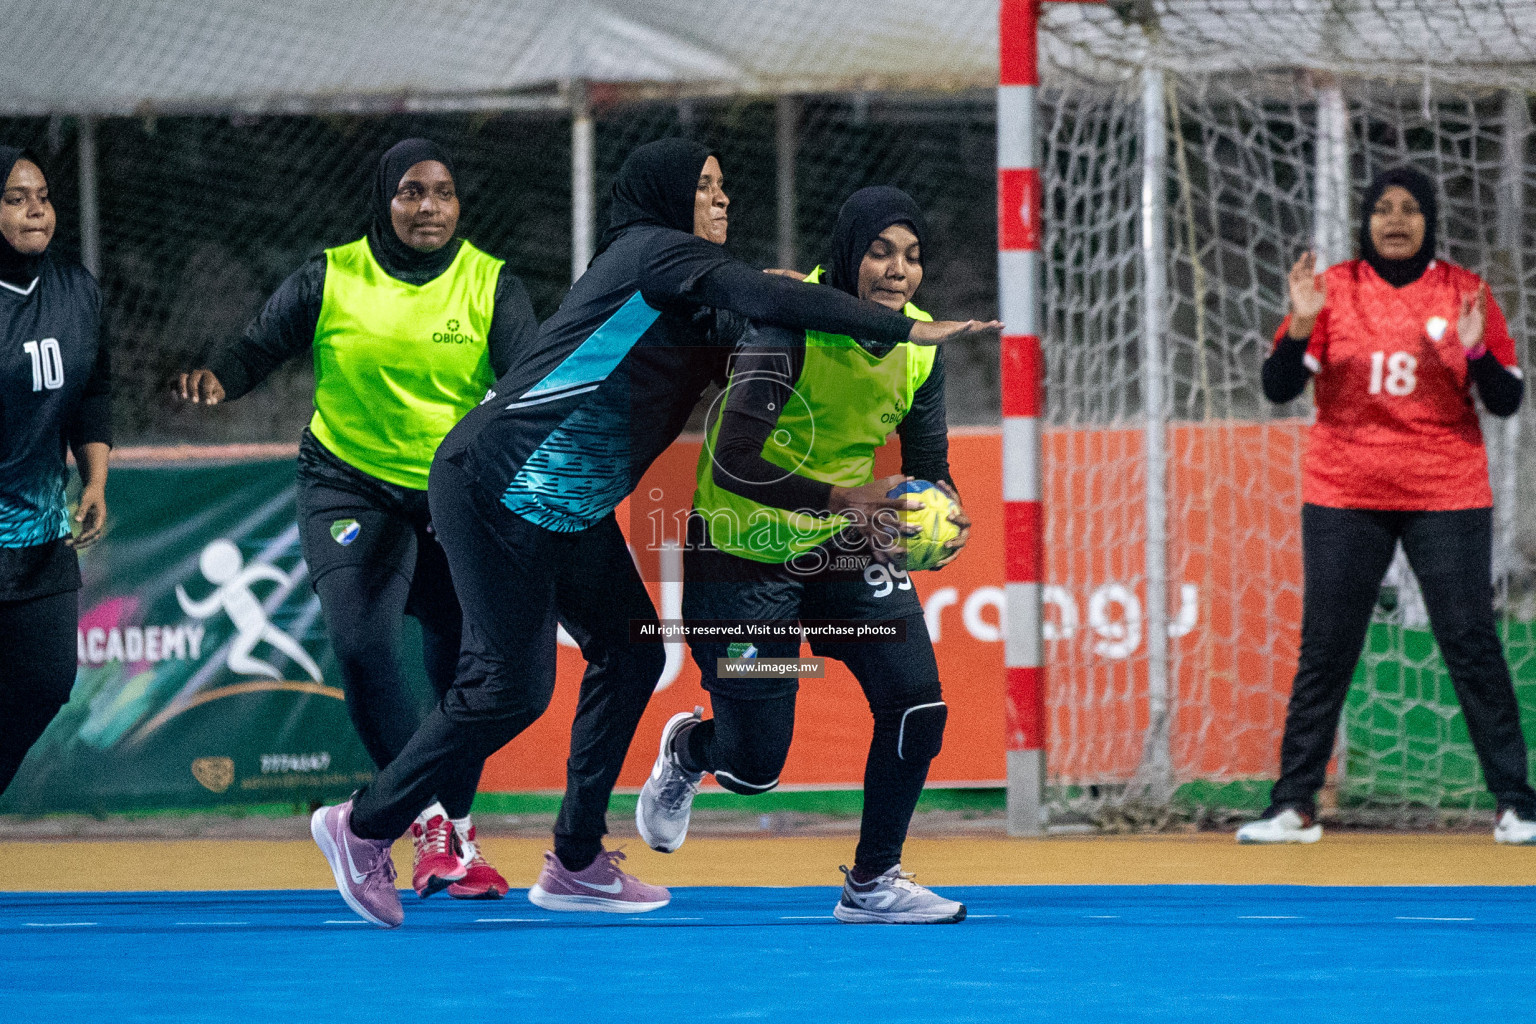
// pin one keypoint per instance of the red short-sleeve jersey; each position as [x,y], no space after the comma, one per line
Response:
[1396,427]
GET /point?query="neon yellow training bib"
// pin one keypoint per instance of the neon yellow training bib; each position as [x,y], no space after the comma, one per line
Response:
[845,404]
[397,364]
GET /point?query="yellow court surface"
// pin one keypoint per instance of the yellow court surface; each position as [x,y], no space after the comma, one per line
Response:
[1346,859]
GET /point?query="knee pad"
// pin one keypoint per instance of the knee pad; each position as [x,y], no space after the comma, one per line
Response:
[920,731]
[746,787]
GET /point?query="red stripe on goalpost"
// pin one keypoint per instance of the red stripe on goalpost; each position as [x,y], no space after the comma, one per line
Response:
[1022,371]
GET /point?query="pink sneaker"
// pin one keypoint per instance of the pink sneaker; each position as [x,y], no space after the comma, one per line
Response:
[601,886]
[362,868]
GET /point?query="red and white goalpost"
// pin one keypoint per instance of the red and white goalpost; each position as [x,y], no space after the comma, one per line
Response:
[1018,283]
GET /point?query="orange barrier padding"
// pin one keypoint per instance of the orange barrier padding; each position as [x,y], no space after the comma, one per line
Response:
[1235,539]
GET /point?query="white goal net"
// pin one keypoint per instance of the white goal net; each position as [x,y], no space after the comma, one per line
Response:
[1245,130]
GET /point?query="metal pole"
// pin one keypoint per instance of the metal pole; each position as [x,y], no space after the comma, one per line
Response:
[1517,130]
[1330,212]
[90,200]
[583,181]
[1331,241]
[787,121]
[1018,261]
[1155,774]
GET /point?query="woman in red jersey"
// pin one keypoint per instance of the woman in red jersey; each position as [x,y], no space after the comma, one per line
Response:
[1395,341]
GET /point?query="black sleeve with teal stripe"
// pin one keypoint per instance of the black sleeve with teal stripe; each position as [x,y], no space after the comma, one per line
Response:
[284,328]
[924,431]
[685,268]
[514,328]
[764,370]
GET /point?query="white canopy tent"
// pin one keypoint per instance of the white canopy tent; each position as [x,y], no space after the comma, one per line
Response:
[104,58]
[132,57]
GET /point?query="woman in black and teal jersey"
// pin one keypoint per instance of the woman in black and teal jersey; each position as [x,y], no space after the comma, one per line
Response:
[787,527]
[523,495]
[408,326]
[55,393]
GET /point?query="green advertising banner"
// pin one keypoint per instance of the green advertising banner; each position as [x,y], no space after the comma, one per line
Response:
[204,674]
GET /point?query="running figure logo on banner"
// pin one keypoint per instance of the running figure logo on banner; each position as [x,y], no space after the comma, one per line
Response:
[223,566]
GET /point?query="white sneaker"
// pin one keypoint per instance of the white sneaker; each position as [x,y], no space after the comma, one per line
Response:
[666,799]
[893,898]
[1289,826]
[1515,830]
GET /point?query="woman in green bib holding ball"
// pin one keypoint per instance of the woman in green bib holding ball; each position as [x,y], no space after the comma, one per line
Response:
[408,327]
[787,527]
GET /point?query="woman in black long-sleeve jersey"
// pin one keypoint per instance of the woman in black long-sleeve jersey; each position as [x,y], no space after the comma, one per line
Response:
[523,492]
[55,393]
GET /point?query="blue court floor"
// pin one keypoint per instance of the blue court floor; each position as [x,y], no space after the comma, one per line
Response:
[1047,953]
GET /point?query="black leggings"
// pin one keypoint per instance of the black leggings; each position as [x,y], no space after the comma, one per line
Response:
[746,742]
[515,581]
[37,650]
[387,565]
[1345,554]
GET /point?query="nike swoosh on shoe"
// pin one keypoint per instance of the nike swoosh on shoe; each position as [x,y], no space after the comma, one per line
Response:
[615,886]
[357,879]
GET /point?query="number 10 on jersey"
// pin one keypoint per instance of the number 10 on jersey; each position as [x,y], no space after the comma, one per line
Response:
[47,364]
[1398,379]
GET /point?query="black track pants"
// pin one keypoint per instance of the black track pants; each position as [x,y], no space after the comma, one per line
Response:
[37,671]
[373,559]
[515,581]
[1345,554]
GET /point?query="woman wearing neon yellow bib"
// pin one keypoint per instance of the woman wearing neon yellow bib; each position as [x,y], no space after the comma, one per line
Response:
[408,326]
[787,527]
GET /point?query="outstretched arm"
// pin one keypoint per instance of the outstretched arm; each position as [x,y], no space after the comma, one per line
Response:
[284,328]
[684,267]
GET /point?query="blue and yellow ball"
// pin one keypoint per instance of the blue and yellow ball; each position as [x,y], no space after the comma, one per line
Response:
[925,549]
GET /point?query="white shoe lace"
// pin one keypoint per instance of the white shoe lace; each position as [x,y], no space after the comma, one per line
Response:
[434,838]
[678,787]
[904,881]
[678,784]
[384,866]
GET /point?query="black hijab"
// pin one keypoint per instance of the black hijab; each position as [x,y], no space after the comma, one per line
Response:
[397,258]
[656,185]
[868,212]
[18,268]
[1398,273]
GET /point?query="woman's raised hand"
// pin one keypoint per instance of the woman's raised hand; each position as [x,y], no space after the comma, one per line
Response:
[1307,295]
[1472,318]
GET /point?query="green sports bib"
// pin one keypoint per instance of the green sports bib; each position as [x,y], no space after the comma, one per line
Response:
[845,404]
[397,364]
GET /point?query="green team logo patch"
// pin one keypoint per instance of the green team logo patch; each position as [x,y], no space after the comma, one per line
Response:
[741,651]
[345,531]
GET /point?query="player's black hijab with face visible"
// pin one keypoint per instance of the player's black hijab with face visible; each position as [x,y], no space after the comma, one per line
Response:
[16,267]
[656,185]
[1402,272]
[868,212]
[396,257]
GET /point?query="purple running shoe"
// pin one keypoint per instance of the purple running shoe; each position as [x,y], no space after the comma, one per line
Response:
[364,873]
[601,886]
